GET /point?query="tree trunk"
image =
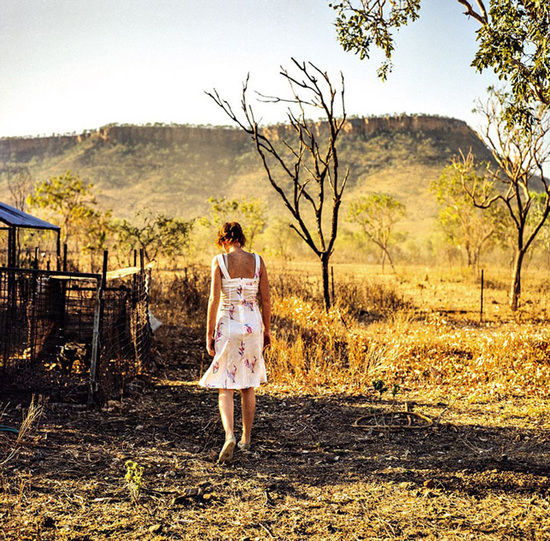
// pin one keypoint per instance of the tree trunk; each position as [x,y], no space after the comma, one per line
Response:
[326,291]
[515,289]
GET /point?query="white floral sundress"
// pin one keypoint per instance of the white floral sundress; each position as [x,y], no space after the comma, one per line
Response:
[239,339]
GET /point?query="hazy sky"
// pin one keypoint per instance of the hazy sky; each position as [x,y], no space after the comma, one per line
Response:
[70,65]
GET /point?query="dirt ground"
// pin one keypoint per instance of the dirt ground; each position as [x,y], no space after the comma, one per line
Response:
[479,471]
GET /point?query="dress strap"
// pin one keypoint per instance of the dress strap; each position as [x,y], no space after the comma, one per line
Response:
[223,268]
[257,266]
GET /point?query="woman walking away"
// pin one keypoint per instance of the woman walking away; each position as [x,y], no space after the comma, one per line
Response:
[237,332]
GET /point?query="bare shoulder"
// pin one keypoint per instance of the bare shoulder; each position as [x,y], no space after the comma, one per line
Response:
[263,267]
[215,264]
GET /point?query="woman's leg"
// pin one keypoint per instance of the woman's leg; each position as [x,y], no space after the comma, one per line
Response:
[248,403]
[225,403]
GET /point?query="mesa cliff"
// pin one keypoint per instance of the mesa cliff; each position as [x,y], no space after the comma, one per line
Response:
[22,149]
[174,169]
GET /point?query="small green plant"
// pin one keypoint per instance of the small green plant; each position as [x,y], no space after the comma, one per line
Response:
[133,477]
[379,386]
[395,389]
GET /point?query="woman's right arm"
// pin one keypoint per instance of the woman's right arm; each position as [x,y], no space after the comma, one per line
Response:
[266,303]
[213,303]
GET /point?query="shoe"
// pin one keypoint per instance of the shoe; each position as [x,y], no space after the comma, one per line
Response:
[244,446]
[226,453]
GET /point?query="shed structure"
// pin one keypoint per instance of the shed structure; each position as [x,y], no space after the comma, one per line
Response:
[69,333]
[14,219]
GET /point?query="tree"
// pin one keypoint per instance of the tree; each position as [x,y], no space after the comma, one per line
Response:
[251,212]
[513,39]
[520,156]
[301,160]
[543,238]
[68,199]
[377,215]
[280,241]
[466,226]
[156,235]
[20,183]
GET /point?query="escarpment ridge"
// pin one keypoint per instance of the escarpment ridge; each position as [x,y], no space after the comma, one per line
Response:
[25,148]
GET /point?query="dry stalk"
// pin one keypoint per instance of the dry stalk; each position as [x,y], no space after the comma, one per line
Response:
[34,412]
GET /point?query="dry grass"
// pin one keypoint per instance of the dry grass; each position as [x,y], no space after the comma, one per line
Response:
[318,469]
[377,330]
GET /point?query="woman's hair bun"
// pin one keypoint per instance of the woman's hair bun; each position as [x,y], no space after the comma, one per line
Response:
[231,232]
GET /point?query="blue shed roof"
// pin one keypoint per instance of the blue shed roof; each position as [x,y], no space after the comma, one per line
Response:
[15,217]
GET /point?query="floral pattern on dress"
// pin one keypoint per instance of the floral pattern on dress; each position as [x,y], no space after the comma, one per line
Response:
[249,305]
[218,334]
[251,364]
[232,373]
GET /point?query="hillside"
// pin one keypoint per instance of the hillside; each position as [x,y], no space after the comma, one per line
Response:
[176,168]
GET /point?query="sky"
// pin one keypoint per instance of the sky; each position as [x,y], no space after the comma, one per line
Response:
[71,65]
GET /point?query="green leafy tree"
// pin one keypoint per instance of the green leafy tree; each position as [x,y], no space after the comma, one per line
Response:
[465,226]
[67,200]
[156,234]
[542,241]
[513,39]
[280,241]
[377,214]
[250,213]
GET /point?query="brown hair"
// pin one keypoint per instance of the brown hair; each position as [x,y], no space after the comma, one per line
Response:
[230,232]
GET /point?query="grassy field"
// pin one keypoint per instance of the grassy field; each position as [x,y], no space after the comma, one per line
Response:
[396,415]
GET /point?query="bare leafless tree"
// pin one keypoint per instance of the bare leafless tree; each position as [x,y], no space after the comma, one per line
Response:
[520,155]
[20,183]
[303,167]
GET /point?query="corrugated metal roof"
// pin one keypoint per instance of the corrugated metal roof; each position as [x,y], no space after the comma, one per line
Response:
[12,216]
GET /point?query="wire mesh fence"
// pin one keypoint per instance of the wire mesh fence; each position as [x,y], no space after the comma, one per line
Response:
[74,336]
[125,332]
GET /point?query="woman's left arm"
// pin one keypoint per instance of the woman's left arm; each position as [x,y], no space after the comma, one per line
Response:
[213,303]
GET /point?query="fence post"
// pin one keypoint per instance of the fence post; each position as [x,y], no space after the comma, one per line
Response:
[332,281]
[98,327]
[481,300]
[58,251]
[64,257]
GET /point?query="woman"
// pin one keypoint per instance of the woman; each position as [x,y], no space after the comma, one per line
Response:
[236,332]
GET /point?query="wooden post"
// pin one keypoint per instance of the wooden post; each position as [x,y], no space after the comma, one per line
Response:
[11,247]
[332,281]
[134,282]
[104,269]
[92,389]
[64,256]
[58,250]
[32,311]
[98,328]
[481,300]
